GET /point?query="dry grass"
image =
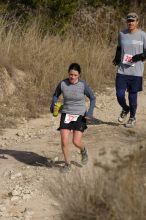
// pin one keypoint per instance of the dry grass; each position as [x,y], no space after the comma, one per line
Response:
[47,59]
[94,194]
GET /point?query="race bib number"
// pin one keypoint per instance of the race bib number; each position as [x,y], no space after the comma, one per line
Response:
[69,118]
[127,59]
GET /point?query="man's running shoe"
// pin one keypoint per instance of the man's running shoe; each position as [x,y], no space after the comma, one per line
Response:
[123,116]
[130,123]
[84,156]
[66,168]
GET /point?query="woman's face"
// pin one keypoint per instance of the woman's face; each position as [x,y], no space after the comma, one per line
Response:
[73,76]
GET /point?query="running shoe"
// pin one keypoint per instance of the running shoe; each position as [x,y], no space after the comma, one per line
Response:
[130,123]
[84,156]
[66,168]
[123,116]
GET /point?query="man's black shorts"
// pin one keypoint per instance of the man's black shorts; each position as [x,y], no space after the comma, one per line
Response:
[129,83]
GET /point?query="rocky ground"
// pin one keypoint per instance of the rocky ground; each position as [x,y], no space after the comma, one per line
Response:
[25,151]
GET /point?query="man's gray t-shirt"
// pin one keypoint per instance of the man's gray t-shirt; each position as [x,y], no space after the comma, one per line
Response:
[131,44]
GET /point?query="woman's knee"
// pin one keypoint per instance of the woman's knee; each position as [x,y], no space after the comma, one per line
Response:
[64,138]
[64,142]
[77,138]
[76,142]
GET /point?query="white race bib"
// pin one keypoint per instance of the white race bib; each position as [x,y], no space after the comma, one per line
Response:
[127,60]
[69,118]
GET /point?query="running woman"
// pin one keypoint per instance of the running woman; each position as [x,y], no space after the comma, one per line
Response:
[73,113]
[130,56]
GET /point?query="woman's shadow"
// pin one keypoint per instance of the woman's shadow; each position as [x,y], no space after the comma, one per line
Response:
[96,121]
[30,158]
[33,159]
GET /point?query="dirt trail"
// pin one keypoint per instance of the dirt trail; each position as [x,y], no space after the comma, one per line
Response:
[24,151]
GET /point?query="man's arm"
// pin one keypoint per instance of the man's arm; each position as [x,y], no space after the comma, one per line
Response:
[117,59]
[139,57]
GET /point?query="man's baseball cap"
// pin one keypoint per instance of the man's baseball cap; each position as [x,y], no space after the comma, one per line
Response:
[132,16]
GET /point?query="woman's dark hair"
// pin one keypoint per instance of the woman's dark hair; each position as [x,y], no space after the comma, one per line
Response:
[74,66]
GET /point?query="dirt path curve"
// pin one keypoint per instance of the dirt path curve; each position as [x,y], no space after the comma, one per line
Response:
[24,151]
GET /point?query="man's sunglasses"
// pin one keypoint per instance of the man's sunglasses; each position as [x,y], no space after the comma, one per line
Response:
[130,20]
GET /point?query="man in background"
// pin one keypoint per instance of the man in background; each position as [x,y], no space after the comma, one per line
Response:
[130,56]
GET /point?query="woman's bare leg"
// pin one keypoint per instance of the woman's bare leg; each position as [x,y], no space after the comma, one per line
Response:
[77,139]
[64,133]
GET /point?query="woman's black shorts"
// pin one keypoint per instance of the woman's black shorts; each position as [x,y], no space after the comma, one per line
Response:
[79,125]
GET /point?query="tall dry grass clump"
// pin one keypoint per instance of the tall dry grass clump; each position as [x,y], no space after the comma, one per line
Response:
[95,194]
[46,58]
